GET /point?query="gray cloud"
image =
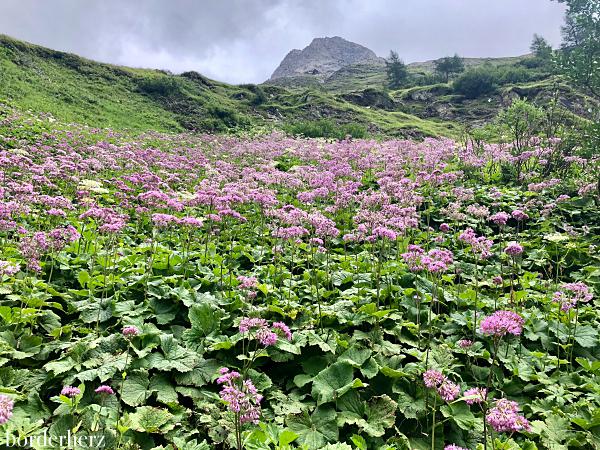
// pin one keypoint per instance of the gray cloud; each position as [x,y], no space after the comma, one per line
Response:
[244,40]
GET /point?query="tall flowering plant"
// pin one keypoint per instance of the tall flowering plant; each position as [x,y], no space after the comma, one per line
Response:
[237,390]
[497,325]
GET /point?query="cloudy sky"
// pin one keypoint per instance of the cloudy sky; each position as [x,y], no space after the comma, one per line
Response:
[244,40]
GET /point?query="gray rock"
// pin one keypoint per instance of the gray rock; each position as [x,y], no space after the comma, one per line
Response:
[323,57]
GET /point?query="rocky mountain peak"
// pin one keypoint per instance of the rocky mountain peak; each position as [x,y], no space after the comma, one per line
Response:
[323,57]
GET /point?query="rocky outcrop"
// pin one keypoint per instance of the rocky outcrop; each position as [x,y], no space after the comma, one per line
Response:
[323,57]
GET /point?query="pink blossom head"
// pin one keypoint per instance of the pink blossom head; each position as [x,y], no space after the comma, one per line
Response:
[500,218]
[504,417]
[448,390]
[465,343]
[475,395]
[130,331]
[519,215]
[104,390]
[501,323]
[513,249]
[70,391]
[6,408]
[433,378]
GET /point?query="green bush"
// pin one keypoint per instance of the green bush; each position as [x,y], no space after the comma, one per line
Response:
[476,82]
[160,86]
[326,129]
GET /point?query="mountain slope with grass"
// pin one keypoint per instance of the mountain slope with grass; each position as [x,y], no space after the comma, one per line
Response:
[76,89]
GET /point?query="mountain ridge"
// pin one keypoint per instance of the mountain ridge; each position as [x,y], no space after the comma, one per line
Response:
[324,56]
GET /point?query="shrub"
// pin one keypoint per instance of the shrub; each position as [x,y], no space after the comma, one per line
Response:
[160,86]
[476,82]
[326,129]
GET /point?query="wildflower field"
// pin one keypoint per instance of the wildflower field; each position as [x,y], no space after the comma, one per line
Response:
[188,292]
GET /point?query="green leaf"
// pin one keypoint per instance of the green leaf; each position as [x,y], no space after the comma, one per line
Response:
[332,382]
[316,430]
[165,391]
[150,420]
[204,318]
[355,355]
[174,357]
[136,388]
[381,414]
[286,437]
[460,413]
[586,336]
[359,442]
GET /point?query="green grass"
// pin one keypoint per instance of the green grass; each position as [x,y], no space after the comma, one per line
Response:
[75,89]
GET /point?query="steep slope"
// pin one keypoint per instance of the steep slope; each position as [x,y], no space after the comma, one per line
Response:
[103,95]
[75,89]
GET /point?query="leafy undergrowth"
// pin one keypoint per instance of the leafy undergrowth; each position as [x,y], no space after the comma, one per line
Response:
[193,292]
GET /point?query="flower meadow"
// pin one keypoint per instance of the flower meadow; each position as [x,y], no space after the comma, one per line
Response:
[188,292]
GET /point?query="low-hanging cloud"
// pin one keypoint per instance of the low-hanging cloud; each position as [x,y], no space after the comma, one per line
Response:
[244,40]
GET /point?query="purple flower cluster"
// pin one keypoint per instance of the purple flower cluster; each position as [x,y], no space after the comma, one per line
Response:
[513,249]
[260,330]
[70,391]
[104,389]
[385,233]
[519,215]
[465,343]
[6,408]
[500,218]
[501,323]
[504,416]
[454,447]
[434,261]
[477,395]
[247,282]
[130,331]
[8,269]
[572,294]
[437,260]
[446,388]
[480,245]
[240,395]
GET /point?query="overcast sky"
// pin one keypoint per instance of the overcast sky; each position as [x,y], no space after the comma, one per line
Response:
[244,40]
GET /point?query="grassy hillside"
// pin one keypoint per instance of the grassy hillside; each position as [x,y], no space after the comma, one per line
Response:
[76,89]
[103,95]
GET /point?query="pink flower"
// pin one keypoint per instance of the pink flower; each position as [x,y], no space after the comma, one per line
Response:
[8,269]
[454,447]
[261,331]
[247,282]
[500,218]
[444,228]
[6,408]
[572,294]
[130,331]
[433,378]
[104,390]
[240,396]
[519,215]
[504,417]
[478,395]
[465,343]
[283,329]
[501,323]
[70,391]
[448,390]
[513,249]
